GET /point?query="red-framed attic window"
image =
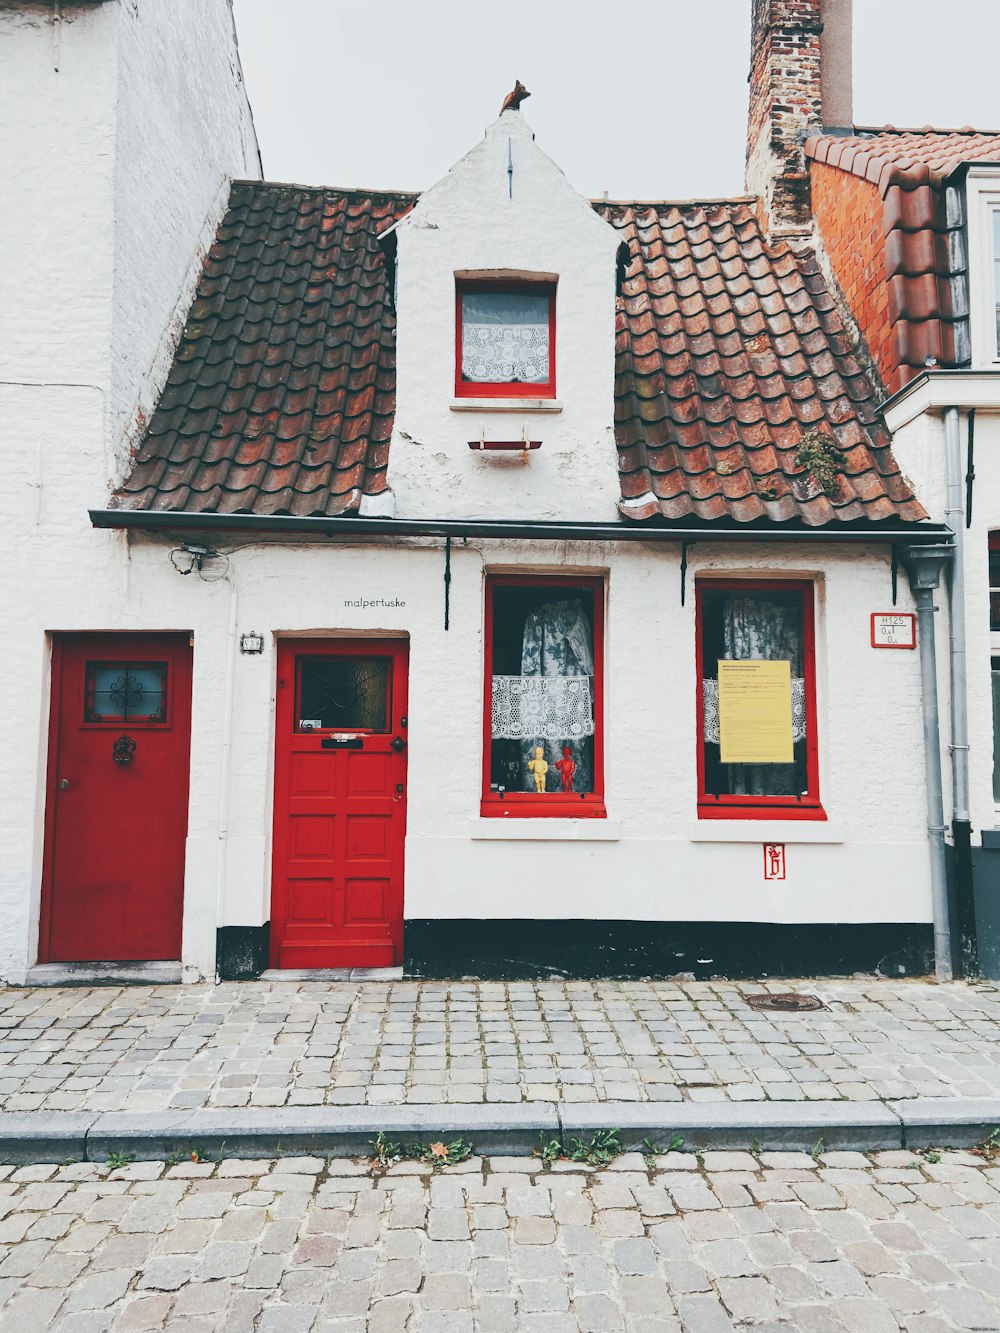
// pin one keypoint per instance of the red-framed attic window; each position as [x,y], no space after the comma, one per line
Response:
[757,620]
[544,691]
[505,339]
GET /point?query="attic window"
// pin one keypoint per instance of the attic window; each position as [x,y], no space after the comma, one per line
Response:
[505,340]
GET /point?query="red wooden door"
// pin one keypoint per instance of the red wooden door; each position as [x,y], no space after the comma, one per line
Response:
[339,804]
[117,798]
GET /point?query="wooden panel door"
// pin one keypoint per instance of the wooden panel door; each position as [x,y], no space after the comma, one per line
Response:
[339,804]
[117,798]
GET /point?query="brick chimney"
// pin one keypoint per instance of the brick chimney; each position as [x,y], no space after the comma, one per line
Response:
[800,81]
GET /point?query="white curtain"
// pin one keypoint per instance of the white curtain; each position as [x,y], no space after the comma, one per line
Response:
[756,629]
[558,641]
[505,337]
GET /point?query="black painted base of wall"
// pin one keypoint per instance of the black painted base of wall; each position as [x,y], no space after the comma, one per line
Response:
[241,952]
[519,950]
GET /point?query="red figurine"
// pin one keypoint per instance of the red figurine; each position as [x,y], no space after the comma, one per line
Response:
[566,768]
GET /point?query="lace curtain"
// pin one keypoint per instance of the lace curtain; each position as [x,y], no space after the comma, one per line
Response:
[558,643]
[757,629]
[505,337]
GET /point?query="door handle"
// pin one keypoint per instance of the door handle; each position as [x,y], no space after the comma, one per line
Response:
[63,784]
[398,744]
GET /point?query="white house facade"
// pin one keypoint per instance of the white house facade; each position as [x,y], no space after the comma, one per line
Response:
[504,584]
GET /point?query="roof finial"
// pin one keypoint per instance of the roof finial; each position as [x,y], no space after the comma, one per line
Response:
[515,97]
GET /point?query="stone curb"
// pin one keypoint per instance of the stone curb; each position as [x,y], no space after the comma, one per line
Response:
[838,1126]
[59,1136]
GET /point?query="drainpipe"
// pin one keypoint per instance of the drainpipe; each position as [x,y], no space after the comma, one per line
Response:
[960,819]
[227,750]
[923,567]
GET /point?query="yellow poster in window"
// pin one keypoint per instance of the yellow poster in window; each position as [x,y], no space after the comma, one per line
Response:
[755,712]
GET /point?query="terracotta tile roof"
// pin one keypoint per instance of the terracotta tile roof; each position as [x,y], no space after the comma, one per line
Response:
[281,396]
[728,350]
[924,258]
[282,391]
[888,156]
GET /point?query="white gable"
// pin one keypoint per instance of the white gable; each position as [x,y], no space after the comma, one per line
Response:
[505,209]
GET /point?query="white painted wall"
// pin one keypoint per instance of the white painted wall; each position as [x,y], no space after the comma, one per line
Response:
[120,126]
[919,446]
[661,863]
[470,222]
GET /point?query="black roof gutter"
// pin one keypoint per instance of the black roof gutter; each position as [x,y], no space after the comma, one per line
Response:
[287,525]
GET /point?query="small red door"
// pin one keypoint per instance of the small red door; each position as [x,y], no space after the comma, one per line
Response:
[339,804]
[117,798]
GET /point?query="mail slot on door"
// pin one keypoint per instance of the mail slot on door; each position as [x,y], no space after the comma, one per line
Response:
[342,742]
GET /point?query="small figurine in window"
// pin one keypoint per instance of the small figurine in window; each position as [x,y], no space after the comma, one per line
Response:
[566,767]
[539,768]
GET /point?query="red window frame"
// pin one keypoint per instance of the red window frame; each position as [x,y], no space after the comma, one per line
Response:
[808,806]
[552,805]
[480,389]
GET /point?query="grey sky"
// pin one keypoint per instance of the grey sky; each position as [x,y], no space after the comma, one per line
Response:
[644,100]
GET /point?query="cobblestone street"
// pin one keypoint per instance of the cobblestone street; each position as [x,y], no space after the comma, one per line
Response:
[649,1245]
[312,1043]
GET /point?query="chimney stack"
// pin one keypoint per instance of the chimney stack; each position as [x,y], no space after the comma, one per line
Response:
[800,81]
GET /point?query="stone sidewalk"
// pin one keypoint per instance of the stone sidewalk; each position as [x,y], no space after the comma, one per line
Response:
[312,1044]
[780,1242]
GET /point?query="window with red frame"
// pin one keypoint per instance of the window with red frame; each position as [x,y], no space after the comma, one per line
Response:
[505,343]
[746,621]
[544,698]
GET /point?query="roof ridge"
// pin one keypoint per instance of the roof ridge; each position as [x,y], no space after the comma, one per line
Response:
[674,203]
[361,190]
[916,129]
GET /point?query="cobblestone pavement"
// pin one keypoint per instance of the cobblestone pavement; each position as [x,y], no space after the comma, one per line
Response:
[659,1245]
[382,1043]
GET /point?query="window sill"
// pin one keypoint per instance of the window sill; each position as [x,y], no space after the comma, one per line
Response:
[514,405]
[767,830]
[512,829]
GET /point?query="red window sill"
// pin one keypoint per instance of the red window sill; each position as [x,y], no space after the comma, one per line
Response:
[519,389]
[541,807]
[758,810]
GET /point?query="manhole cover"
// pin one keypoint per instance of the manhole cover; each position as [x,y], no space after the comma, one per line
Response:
[788,1001]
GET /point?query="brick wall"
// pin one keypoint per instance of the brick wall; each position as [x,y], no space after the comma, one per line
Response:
[785,101]
[848,212]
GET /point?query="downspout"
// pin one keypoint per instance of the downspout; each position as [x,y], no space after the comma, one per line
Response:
[227,749]
[960,819]
[923,567]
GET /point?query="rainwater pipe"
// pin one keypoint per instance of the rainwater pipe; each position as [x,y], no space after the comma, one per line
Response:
[960,819]
[227,743]
[923,567]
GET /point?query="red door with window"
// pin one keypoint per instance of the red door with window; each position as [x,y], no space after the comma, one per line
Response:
[339,804]
[116,808]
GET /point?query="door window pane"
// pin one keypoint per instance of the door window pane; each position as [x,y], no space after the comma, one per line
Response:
[126,692]
[505,337]
[542,690]
[754,625]
[344,693]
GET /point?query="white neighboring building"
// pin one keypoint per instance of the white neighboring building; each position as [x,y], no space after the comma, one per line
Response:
[121,127]
[434,484]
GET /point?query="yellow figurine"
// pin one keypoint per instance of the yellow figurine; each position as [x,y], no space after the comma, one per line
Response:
[539,767]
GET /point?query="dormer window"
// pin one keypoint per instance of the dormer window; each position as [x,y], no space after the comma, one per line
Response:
[505,339]
[983,185]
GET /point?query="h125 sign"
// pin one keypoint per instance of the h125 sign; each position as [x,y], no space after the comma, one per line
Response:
[894,629]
